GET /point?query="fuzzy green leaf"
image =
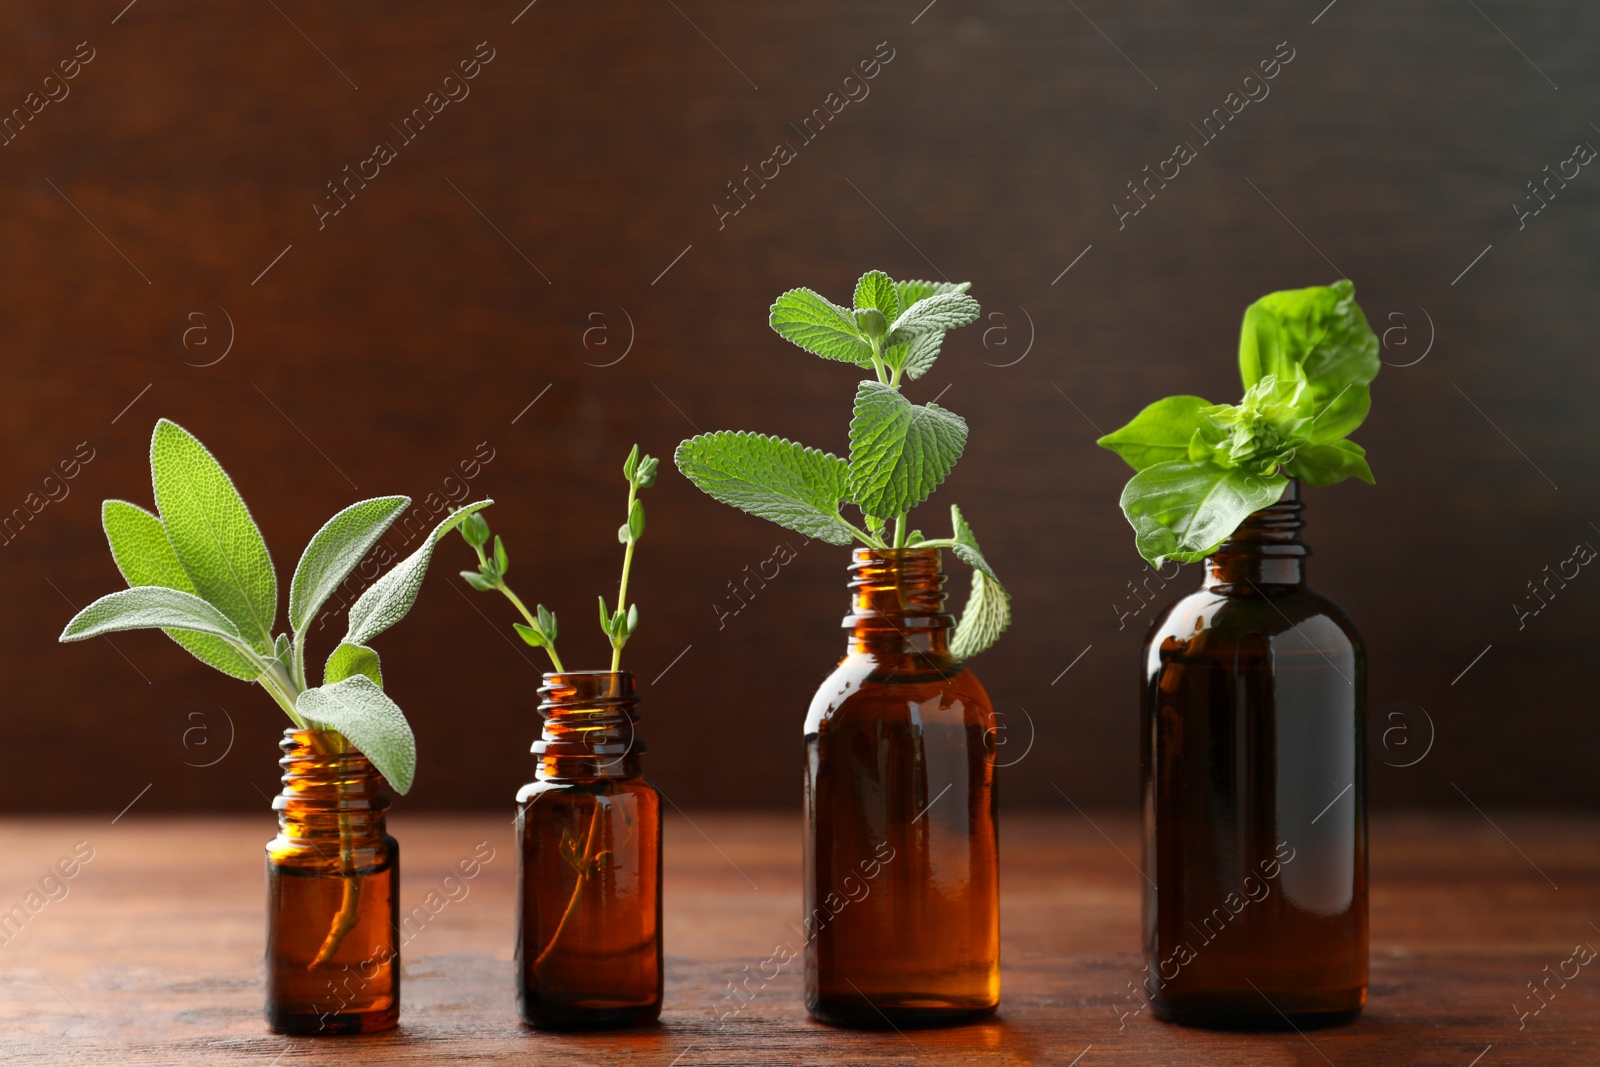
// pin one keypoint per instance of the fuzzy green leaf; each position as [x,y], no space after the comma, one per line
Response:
[1160,433]
[388,599]
[798,488]
[942,312]
[1182,510]
[636,520]
[1330,463]
[147,607]
[372,722]
[899,451]
[350,660]
[334,551]
[212,534]
[988,609]
[910,292]
[876,290]
[143,554]
[820,326]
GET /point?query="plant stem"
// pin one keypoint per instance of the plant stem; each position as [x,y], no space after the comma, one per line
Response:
[577,885]
[550,646]
[900,531]
[622,589]
[350,898]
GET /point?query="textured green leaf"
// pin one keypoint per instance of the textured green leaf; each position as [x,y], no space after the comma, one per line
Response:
[820,326]
[1183,510]
[1160,433]
[1330,463]
[144,556]
[965,545]
[350,660]
[876,290]
[212,534]
[388,599]
[798,488]
[944,311]
[1321,335]
[910,292]
[372,722]
[918,355]
[334,552]
[147,607]
[899,451]
[984,618]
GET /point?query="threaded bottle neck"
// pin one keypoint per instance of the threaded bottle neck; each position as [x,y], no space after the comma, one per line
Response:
[897,600]
[589,726]
[1266,549]
[329,787]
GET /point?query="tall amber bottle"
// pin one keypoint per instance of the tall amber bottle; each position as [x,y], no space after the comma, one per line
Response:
[333,894]
[589,863]
[902,920]
[1255,793]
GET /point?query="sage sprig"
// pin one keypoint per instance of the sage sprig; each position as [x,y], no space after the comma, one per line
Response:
[899,451]
[539,627]
[1307,358]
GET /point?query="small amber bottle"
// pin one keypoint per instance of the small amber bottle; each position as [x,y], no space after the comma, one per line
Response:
[1255,793]
[902,919]
[589,863]
[333,894]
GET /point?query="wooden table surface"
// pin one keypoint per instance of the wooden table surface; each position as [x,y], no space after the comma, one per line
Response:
[150,954]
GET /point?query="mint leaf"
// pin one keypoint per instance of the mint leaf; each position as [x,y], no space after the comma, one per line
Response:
[876,290]
[915,357]
[820,326]
[372,722]
[143,554]
[1182,510]
[988,609]
[1330,463]
[350,660]
[388,599]
[212,534]
[944,311]
[965,545]
[798,488]
[1160,433]
[334,552]
[1318,334]
[899,451]
[910,292]
[151,606]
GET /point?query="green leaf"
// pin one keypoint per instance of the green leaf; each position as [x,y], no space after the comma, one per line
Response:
[150,606]
[212,534]
[899,451]
[144,556]
[646,474]
[916,358]
[502,561]
[630,466]
[965,545]
[547,621]
[605,619]
[798,488]
[388,599]
[372,722]
[633,619]
[478,581]
[529,635]
[944,311]
[1160,433]
[350,660]
[910,292]
[1182,510]
[988,609]
[636,520]
[1330,463]
[475,530]
[334,551]
[871,323]
[1321,335]
[820,326]
[877,290]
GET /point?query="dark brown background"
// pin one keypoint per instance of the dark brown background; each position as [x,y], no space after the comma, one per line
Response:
[379,351]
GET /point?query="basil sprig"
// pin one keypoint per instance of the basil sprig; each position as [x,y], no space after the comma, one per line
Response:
[1306,357]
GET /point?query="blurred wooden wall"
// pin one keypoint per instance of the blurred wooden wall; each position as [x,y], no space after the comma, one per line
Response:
[547,268]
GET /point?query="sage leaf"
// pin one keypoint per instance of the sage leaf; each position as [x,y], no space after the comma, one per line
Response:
[212,534]
[364,714]
[150,606]
[334,551]
[349,660]
[143,554]
[798,488]
[820,326]
[899,451]
[1182,510]
[1160,433]
[388,599]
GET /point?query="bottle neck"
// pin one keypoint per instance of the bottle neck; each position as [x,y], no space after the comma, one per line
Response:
[330,789]
[589,726]
[1265,554]
[897,602]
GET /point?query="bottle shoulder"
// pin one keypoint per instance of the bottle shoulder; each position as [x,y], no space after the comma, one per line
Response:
[1229,616]
[864,685]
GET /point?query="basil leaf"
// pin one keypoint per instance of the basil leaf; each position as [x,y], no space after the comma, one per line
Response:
[1318,334]
[1161,432]
[1182,510]
[1330,463]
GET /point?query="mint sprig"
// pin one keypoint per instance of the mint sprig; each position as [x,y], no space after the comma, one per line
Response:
[1306,357]
[900,452]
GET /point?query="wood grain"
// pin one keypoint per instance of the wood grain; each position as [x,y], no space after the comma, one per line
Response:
[153,957]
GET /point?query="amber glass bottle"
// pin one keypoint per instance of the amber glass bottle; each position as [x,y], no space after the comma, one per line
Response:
[902,920]
[1255,793]
[333,894]
[589,863]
